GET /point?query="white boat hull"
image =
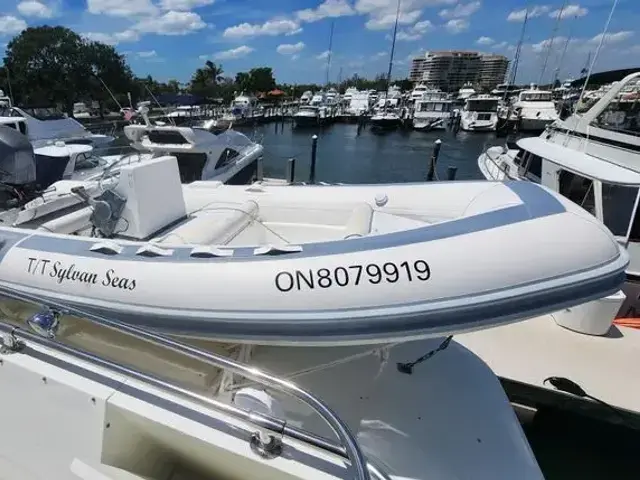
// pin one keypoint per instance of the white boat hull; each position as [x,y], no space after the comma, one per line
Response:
[402,278]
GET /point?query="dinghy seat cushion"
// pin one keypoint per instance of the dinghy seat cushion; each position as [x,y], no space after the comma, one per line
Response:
[359,223]
[216,226]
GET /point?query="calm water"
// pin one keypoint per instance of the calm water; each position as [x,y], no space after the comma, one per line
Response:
[345,156]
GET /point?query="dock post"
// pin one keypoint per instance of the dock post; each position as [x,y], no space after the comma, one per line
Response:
[451,172]
[314,151]
[434,160]
[291,170]
[260,169]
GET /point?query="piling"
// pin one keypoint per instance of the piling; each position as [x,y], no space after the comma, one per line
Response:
[451,172]
[291,170]
[314,151]
[434,160]
[260,169]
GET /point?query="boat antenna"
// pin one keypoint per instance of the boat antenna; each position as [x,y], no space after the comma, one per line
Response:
[595,57]
[550,46]
[329,56]
[107,89]
[393,45]
[160,106]
[516,57]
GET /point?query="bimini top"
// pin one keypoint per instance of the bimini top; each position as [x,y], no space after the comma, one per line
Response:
[321,265]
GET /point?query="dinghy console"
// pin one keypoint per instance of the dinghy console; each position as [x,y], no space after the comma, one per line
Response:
[131,208]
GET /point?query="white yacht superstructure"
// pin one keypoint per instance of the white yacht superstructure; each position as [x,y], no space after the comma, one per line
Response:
[480,113]
[432,111]
[535,109]
[593,158]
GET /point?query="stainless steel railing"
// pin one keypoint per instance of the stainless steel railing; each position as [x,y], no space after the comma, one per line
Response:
[349,448]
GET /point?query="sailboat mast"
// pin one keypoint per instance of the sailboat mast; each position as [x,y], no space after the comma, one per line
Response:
[329,56]
[393,46]
[564,52]
[516,57]
[550,46]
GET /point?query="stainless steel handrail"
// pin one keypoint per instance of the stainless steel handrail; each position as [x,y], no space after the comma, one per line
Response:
[351,451]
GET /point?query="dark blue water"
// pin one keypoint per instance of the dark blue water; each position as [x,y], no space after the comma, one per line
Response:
[345,156]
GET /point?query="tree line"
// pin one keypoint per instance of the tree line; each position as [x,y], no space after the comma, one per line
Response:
[55,66]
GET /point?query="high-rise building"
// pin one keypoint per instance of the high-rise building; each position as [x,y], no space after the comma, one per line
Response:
[450,70]
[417,69]
[493,70]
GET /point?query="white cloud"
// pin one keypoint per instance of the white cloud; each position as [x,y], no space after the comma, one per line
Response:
[379,55]
[535,11]
[272,27]
[415,32]
[290,48]
[387,20]
[184,5]
[295,57]
[382,13]
[238,52]
[171,23]
[485,41]
[327,9]
[324,55]
[147,54]
[570,11]
[121,8]
[501,45]
[33,8]
[113,38]
[461,10]
[456,25]
[10,25]
[612,38]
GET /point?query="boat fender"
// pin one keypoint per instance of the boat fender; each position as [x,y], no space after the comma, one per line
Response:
[359,223]
[255,400]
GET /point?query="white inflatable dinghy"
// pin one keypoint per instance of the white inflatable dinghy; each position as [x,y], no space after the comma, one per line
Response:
[315,265]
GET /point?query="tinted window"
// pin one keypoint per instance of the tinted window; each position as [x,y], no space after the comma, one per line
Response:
[577,189]
[227,157]
[617,207]
[535,166]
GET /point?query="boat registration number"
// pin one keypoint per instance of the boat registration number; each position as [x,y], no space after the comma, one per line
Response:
[369,274]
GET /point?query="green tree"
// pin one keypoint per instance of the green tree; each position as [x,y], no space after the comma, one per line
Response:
[243,81]
[108,70]
[54,65]
[261,79]
[215,72]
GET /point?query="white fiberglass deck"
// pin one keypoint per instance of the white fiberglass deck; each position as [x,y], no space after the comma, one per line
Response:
[606,367]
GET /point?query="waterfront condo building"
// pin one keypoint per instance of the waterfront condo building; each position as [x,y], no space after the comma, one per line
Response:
[450,70]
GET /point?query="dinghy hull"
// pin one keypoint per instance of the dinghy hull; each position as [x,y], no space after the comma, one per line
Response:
[443,278]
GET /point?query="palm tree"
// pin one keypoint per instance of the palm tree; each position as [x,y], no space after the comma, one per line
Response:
[214,71]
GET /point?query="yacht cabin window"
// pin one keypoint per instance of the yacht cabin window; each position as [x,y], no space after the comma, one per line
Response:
[618,203]
[537,97]
[434,107]
[530,165]
[578,189]
[482,105]
[20,126]
[227,157]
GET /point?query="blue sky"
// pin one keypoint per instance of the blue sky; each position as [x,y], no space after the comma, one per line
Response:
[171,38]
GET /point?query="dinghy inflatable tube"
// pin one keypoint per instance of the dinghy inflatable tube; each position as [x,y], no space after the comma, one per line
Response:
[518,251]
